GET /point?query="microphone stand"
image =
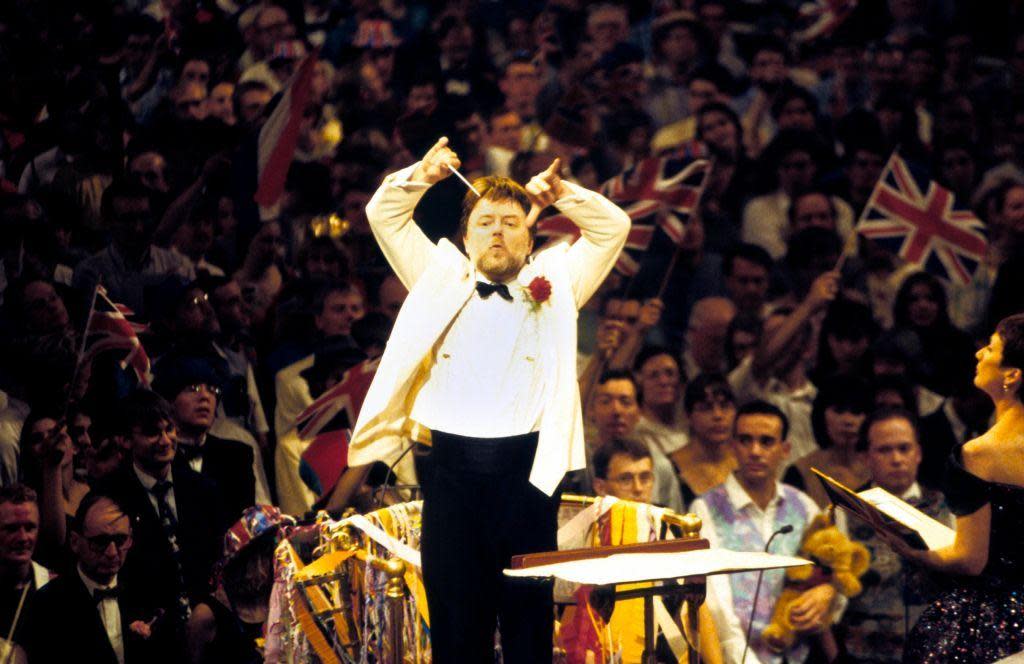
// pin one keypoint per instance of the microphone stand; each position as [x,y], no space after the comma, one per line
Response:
[784,530]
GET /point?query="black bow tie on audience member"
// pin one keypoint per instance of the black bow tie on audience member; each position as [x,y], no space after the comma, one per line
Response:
[485,289]
[101,594]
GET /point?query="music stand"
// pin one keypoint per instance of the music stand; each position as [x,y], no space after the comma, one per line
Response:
[662,563]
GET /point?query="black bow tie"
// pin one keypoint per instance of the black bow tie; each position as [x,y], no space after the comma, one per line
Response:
[485,289]
[101,594]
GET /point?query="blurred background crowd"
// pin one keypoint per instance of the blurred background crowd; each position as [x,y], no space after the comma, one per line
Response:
[130,143]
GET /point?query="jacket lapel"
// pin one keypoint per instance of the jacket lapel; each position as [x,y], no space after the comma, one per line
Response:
[429,309]
[79,594]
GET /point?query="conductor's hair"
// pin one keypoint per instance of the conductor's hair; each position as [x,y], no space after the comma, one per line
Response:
[493,188]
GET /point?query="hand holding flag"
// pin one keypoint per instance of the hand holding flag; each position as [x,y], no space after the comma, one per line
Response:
[921,222]
[108,328]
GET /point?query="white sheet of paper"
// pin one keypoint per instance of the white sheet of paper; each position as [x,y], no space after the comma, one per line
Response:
[636,567]
[935,534]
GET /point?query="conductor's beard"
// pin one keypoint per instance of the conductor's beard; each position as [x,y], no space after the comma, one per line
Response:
[499,264]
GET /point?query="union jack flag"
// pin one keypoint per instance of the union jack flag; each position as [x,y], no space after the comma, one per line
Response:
[658,192]
[342,402]
[823,17]
[108,328]
[918,220]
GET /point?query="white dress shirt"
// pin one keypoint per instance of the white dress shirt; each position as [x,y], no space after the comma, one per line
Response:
[148,482]
[110,613]
[486,379]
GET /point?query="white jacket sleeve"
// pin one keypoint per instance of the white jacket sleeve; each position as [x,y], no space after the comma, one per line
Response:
[405,246]
[603,231]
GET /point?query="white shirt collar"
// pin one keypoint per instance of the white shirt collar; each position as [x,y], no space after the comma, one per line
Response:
[740,499]
[913,492]
[147,480]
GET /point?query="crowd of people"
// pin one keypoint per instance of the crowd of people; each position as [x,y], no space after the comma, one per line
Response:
[769,339]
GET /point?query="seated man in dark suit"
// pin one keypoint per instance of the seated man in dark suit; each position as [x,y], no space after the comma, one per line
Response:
[193,385]
[178,514]
[90,614]
[876,622]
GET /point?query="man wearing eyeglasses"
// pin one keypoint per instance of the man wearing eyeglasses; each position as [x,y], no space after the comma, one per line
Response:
[193,385]
[101,618]
[623,468]
[179,518]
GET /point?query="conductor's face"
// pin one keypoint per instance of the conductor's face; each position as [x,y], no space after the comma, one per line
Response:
[497,239]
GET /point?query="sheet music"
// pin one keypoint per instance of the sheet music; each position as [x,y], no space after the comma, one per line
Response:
[636,567]
[935,534]
[890,514]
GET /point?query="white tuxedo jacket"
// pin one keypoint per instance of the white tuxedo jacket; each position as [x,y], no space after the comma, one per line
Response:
[441,279]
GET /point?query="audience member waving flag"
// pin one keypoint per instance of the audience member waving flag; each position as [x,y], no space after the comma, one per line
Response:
[279,136]
[108,328]
[658,192]
[918,220]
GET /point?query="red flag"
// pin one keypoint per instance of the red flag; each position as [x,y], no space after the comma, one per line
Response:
[279,136]
[918,220]
[324,460]
[108,328]
[345,398]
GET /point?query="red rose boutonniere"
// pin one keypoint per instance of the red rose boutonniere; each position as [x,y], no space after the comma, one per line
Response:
[538,292]
[141,628]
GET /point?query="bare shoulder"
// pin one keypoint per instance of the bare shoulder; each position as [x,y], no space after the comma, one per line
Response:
[994,459]
[978,454]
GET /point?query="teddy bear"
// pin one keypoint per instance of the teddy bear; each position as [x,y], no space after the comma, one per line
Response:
[837,561]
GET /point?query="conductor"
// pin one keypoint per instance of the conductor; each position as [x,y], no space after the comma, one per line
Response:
[481,364]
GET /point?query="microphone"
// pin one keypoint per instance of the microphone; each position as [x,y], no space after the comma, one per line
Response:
[784,530]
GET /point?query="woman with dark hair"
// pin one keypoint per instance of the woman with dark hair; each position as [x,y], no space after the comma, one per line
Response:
[839,409]
[977,619]
[921,307]
[845,341]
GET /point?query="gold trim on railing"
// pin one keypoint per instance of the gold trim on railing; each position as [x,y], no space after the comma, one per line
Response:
[690,524]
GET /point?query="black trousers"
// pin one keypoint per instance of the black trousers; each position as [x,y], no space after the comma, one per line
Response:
[479,509]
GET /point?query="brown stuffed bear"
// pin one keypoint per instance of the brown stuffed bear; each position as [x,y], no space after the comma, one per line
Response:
[836,559]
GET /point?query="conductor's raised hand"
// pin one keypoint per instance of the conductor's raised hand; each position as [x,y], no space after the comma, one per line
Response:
[435,164]
[546,187]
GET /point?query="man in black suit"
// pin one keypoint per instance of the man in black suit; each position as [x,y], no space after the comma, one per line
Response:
[193,385]
[178,515]
[90,614]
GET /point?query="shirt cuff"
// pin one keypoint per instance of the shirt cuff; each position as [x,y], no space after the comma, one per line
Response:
[577,196]
[403,179]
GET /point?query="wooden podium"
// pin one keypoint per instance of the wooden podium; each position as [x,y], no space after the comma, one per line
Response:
[693,590]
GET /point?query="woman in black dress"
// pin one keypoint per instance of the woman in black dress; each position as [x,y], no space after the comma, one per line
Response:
[980,618]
